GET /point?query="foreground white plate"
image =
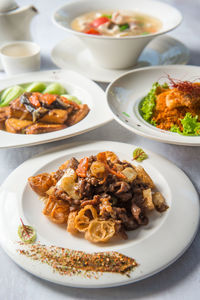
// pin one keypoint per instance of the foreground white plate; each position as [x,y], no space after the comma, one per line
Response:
[86,90]
[154,246]
[73,54]
[125,94]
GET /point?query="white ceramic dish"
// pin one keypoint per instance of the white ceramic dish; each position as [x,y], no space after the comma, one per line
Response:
[72,54]
[166,236]
[20,57]
[114,52]
[125,94]
[87,91]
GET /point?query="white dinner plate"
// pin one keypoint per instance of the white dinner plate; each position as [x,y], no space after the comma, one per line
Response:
[86,90]
[72,54]
[125,94]
[154,247]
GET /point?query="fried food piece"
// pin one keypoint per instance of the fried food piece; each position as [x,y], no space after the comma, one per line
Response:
[41,183]
[57,211]
[43,128]
[79,115]
[4,112]
[18,110]
[159,202]
[100,231]
[55,116]
[82,221]
[144,177]
[70,223]
[148,202]
[16,126]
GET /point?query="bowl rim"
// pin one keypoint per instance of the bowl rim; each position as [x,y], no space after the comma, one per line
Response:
[91,36]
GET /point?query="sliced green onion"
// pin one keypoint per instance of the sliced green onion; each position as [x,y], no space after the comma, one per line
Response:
[123,27]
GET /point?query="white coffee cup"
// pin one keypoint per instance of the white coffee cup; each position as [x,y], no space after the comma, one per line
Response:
[20,57]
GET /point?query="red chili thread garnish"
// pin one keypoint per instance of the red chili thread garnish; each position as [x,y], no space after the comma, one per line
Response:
[25,228]
[185,86]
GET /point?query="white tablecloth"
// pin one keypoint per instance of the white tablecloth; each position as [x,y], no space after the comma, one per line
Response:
[179,281]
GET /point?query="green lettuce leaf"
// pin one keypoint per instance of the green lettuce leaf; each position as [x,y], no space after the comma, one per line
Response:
[149,102]
[191,126]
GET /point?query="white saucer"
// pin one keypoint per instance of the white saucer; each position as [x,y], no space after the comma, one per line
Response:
[72,54]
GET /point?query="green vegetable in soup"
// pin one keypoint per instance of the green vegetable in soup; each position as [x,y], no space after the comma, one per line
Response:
[10,94]
[36,87]
[191,126]
[123,27]
[107,16]
[55,88]
[149,102]
[72,98]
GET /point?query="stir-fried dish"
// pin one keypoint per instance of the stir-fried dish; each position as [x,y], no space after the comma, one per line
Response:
[174,107]
[116,23]
[98,196]
[39,108]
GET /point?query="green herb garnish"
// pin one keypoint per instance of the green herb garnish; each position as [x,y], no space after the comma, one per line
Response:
[190,124]
[149,102]
[123,27]
[127,115]
[139,155]
[26,233]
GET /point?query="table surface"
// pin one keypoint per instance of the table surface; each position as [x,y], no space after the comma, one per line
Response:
[179,281]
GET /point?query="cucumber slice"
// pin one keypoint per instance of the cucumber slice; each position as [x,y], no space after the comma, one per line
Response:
[72,98]
[36,87]
[10,94]
[55,88]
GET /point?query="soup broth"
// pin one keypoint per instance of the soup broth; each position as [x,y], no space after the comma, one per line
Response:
[116,23]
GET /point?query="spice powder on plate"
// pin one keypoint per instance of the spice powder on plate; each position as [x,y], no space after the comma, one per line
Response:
[71,262]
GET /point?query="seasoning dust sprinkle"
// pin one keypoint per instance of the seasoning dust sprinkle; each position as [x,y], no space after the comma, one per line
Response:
[72,262]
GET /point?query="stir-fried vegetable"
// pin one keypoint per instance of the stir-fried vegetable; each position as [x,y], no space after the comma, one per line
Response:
[72,98]
[10,94]
[55,88]
[36,87]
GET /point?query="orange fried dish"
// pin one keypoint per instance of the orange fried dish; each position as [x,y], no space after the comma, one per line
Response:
[174,107]
[35,113]
[99,196]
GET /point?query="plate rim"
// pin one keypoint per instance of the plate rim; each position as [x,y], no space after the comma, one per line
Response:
[69,148]
[137,131]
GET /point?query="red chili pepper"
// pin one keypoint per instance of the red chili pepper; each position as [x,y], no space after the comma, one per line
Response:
[67,101]
[34,99]
[82,167]
[47,98]
[92,31]
[102,158]
[99,21]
